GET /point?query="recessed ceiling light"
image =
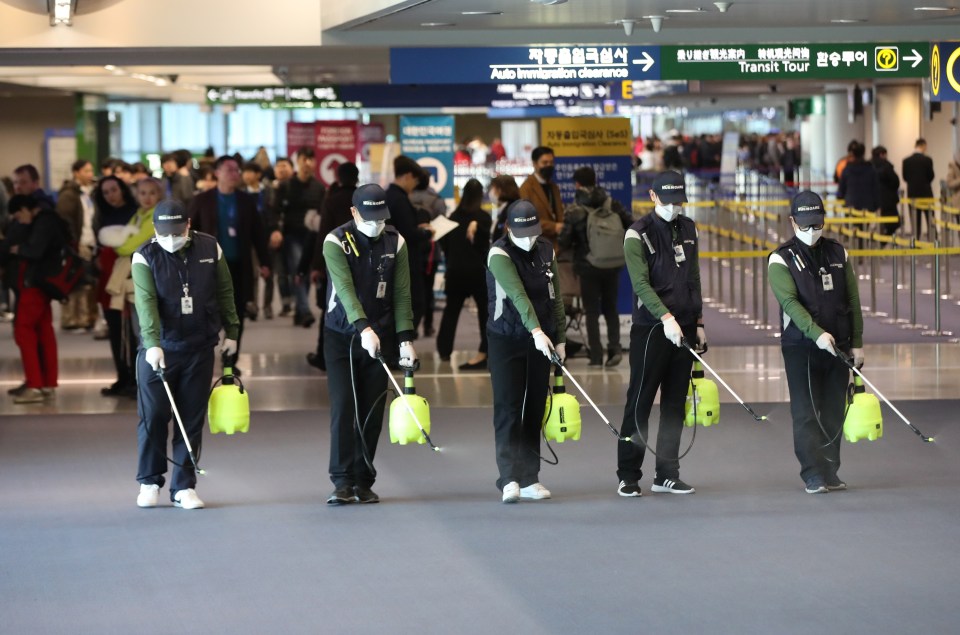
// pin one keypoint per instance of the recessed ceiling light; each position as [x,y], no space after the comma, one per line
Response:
[481,12]
[934,9]
[437,24]
[697,10]
[847,20]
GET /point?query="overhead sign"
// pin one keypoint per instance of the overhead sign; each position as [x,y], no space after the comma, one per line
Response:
[429,141]
[336,143]
[795,61]
[945,71]
[571,64]
[280,96]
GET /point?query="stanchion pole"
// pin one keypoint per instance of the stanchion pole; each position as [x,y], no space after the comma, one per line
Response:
[912,324]
[937,331]
[895,312]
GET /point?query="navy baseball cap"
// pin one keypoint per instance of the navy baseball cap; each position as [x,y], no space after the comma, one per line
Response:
[670,187]
[807,209]
[522,219]
[169,217]
[371,202]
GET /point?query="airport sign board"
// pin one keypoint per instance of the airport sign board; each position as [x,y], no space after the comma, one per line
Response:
[945,71]
[280,96]
[864,60]
[569,64]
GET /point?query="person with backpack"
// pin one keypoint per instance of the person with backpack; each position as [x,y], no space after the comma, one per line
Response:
[32,249]
[595,228]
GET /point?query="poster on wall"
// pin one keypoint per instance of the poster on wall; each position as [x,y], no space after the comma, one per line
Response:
[299,135]
[336,143]
[604,144]
[60,151]
[429,141]
[367,135]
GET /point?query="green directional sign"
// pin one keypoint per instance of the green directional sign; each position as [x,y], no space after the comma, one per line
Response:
[795,61]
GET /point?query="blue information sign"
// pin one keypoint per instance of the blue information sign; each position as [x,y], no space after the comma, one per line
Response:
[945,71]
[429,141]
[572,64]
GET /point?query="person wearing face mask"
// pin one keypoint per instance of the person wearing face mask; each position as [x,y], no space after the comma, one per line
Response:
[662,255]
[184,296]
[368,310]
[540,190]
[524,329]
[816,286]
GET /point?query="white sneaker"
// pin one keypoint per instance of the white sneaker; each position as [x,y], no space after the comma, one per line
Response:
[187,499]
[149,496]
[511,492]
[536,492]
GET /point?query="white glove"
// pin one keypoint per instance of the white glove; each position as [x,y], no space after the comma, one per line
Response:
[858,358]
[229,347]
[408,356]
[370,342]
[312,220]
[701,344]
[154,357]
[672,330]
[827,343]
[561,350]
[543,343]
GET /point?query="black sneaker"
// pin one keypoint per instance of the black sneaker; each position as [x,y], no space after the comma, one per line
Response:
[19,390]
[815,485]
[671,486]
[365,495]
[316,361]
[308,321]
[835,484]
[613,359]
[342,496]
[629,488]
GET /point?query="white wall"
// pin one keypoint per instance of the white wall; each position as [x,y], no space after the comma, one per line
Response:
[838,131]
[22,123]
[941,140]
[898,115]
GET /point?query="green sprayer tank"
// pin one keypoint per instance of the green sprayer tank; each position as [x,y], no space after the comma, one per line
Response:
[229,409]
[704,393]
[403,428]
[863,420]
[561,417]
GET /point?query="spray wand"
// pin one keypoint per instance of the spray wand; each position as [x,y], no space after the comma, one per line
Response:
[396,386]
[849,363]
[176,415]
[746,407]
[555,359]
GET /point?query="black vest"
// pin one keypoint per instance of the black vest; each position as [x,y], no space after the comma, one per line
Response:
[670,279]
[534,269]
[194,265]
[829,309]
[374,264]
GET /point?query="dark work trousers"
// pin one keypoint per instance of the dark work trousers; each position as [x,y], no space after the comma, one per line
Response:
[347,465]
[598,291]
[293,242]
[122,346]
[520,375]
[828,379]
[919,214]
[188,374]
[667,368]
[236,274]
[457,292]
[429,302]
[322,292]
[416,290]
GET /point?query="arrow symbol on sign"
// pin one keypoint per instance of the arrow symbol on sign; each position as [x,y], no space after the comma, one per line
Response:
[647,61]
[916,58]
[601,91]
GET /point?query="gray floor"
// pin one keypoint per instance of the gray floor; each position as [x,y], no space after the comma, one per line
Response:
[748,553]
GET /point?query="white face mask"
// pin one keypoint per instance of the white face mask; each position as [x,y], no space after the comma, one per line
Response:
[172,244]
[668,213]
[370,228]
[525,244]
[808,237]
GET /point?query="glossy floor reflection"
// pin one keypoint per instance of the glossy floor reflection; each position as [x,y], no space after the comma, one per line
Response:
[280,379]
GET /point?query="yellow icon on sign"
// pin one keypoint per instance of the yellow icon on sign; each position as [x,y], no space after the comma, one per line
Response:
[887,58]
[935,70]
[951,75]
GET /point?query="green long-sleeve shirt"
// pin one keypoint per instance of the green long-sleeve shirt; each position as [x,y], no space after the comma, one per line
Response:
[505,273]
[145,298]
[785,289]
[143,220]
[339,271]
[639,270]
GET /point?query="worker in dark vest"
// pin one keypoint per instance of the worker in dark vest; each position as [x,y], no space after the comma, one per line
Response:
[662,254]
[184,296]
[820,314]
[368,311]
[525,328]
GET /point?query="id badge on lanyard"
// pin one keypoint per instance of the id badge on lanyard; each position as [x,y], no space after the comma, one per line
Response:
[186,302]
[827,279]
[678,255]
